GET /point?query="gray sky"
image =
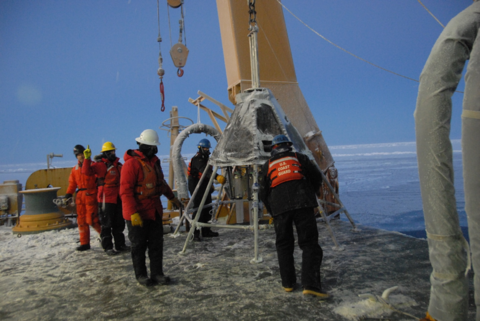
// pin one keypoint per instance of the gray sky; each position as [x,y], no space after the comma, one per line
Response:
[84,72]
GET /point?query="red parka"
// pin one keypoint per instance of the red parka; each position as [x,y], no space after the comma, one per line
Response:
[109,192]
[132,175]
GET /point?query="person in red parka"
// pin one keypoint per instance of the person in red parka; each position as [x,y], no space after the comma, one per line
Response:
[141,185]
[107,171]
[86,199]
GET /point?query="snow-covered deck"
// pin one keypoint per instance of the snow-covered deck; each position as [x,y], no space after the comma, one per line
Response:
[42,277]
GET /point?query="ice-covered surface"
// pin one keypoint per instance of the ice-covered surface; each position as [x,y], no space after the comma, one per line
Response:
[378,183]
[380,187]
[42,277]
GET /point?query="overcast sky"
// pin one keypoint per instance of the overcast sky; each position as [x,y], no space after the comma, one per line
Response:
[84,72]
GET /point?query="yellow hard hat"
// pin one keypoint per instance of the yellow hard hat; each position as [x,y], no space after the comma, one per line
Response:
[108,146]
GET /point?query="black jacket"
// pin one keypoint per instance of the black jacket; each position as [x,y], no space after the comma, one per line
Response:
[290,195]
[198,167]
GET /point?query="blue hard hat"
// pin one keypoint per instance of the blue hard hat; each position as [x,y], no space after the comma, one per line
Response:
[281,139]
[204,143]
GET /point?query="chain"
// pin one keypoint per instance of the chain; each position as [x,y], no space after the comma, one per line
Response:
[252,12]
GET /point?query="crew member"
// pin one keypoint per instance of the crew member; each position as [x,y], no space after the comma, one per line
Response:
[196,168]
[107,172]
[85,199]
[448,250]
[141,185]
[288,181]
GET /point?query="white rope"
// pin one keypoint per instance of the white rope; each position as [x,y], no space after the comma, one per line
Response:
[431,13]
[348,52]
[276,58]
[169,25]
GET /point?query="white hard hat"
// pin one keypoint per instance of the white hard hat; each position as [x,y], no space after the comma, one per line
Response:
[148,137]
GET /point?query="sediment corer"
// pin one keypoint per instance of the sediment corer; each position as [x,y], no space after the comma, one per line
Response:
[242,182]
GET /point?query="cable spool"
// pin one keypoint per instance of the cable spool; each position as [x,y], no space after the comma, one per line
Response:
[41,213]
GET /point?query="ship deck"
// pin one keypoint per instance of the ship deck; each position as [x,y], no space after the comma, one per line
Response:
[42,277]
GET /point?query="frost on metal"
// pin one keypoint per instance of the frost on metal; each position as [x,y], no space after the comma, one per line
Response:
[248,136]
[178,163]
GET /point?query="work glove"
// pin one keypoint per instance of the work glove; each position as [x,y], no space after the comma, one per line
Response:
[136,220]
[67,200]
[177,202]
[87,152]
[221,179]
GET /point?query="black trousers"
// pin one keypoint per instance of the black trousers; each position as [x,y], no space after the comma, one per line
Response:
[149,237]
[113,224]
[312,254]
[205,215]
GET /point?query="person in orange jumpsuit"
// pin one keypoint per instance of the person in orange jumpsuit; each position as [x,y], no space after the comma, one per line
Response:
[86,199]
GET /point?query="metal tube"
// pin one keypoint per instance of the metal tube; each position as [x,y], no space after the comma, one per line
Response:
[204,198]
[255,71]
[218,201]
[322,212]
[190,202]
[338,199]
[255,187]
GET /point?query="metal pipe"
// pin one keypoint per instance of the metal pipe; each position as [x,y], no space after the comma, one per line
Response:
[190,202]
[255,71]
[338,199]
[255,188]
[204,198]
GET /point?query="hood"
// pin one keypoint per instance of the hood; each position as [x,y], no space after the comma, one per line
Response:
[106,161]
[131,153]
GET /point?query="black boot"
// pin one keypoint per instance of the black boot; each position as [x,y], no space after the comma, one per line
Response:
[123,248]
[207,232]
[111,252]
[196,236]
[161,280]
[83,247]
[144,280]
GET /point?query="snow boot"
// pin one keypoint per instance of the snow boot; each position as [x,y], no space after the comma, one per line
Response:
[161,280]
[144,280]
[428,317]
[207,232]
[196,236]
[111,252]
[290,288]
[123,248]
[83,247]
[310,290]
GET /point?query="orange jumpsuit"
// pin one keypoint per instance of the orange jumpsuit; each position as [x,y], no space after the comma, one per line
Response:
[86,201]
